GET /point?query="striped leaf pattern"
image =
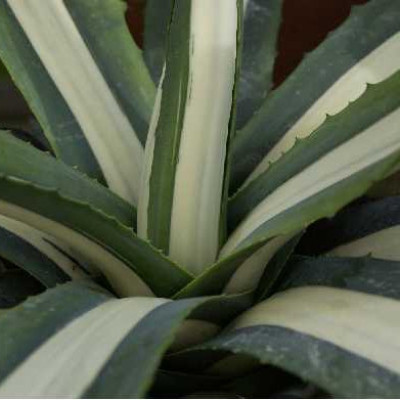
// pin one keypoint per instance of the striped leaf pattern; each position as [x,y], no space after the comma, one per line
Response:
[189,134]
[58,53]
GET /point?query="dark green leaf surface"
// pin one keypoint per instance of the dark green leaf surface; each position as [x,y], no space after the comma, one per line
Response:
[339,372]
[102,24]
[377,101]
[161,274]
[51,110]
[169,128]
[326,203]
[352,223]
[261,27]
[366,275]
[367,27]
[276,267]
[141,351]
[22,254]
[156,25]
[24,328]
[24,162]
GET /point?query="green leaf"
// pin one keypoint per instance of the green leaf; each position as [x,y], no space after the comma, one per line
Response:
[276,267]
[156,23]
[318,191]
[103,26]
[176,214]
[342,341]
[22,254]
[378,100]
[366,229]
[63,204]
[81,96]
[31,324]
[21,160]
[83,346]
[119,342]
[372,125]
[131,369]
[261,27]
[366,275]
[15,286]
[327,79]
[214,279]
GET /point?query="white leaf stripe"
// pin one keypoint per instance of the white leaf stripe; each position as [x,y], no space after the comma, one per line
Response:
[199,176]
[367,27]
[361,323]
[366,274]
[346,89]
[248,275]
[50,109]
[53,309]
[68,61]
[42,242]
[339,372]
[122,278]
[67,363]
[184,169]
[104,28]
[383,244]
[357,154]
[148,161]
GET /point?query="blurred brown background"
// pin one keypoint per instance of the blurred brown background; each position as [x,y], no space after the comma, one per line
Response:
[305,25]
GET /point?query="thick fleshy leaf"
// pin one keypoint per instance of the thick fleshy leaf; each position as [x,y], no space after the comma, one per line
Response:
[84,99]
[156,23]
[132,367]
[320,190]
[51,259]
[369,229]
[105,347]
[377,102]
[189,133]
[63,205]
[22,254]
[22,161]
[370,129]
[36,320]
[365,49]
[65,364]
[276,267]
[343,341]
[367,275]
[260,29]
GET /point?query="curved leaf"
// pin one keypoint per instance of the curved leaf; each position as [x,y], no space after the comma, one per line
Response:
[260,34]
[156,23]
[364,229]
[22,254]
[23,161]
[367,275]
[378,100]
[80,95]
[365,49]
[189,134]
[74,210]
[344,342]
[31,324]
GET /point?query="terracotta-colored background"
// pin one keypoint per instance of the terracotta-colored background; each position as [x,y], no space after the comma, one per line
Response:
[305,24]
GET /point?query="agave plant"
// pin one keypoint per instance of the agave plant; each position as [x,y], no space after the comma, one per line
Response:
[159,235]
